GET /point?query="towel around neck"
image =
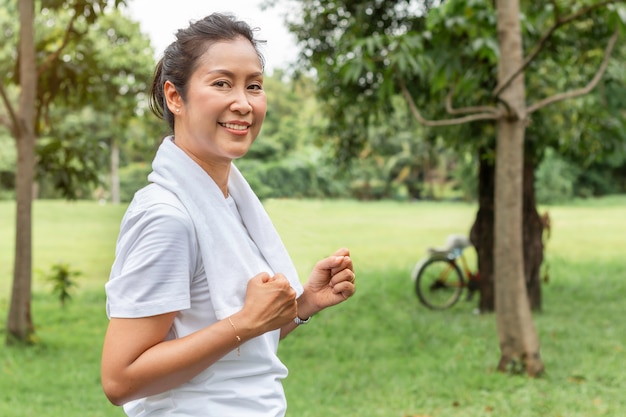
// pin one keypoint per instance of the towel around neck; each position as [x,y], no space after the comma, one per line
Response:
[228,260]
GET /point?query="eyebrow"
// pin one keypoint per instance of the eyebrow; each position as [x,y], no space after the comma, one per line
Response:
[232,74]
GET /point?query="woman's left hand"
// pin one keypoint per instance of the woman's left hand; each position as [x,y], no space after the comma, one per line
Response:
[331,282]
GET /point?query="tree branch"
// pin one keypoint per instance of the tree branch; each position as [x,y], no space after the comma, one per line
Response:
[54,55]
[544,39]
[581,91]
[466,110]
[11,122]
[446,122]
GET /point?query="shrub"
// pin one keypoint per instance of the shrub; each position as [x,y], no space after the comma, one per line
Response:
[133,177]
[554,179]
[61,277]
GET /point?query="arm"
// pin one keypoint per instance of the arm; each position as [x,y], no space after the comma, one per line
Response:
[137,362]
[331,282]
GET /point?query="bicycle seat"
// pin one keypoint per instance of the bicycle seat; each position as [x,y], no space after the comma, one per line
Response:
[454,245]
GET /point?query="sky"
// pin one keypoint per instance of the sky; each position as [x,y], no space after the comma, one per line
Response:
[160,19]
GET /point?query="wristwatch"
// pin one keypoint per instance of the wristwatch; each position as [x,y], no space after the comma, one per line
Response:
[299,321]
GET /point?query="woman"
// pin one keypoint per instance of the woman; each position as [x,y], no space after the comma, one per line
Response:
[202,288]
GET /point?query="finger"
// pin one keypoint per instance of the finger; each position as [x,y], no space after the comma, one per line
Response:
[261,276]
[345,288]
[345,275]
[280,277]
[345,264]
[280,282]
[331,262]
[342,252]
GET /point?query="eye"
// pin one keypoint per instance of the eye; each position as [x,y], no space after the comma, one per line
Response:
[221,83]
[255,86]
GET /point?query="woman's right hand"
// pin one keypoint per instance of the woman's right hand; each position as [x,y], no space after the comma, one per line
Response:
[270,303]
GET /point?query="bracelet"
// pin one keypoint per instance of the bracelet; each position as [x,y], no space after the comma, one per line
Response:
[299,321]
[237,336]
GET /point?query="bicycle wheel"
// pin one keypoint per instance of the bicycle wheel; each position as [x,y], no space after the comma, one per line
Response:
[439,283]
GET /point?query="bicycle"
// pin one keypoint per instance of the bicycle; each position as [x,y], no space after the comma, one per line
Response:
[441,277]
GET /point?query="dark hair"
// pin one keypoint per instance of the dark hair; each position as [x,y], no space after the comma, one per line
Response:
[180,58]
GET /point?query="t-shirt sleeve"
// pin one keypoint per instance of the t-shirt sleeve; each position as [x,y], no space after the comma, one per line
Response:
[155,261]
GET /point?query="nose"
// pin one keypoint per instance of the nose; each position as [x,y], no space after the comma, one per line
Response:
[240,103]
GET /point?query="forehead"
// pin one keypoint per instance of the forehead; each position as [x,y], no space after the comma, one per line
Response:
[238,52]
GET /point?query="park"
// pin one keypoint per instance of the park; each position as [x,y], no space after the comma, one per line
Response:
[402,123]
[384,354]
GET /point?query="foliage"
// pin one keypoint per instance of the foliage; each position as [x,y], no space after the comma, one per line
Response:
[446,53]
[72,160]
[555,179]
[61,276]
[298,175]
[133,177]
[465,178]
[87,93]
[358,114]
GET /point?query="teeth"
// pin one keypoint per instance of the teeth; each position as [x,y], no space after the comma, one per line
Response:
[234,126]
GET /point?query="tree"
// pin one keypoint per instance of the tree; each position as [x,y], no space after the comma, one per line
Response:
[22,126]
[55,73]
[366,52]
[111,68]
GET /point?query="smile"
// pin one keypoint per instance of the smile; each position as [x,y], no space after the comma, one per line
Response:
[233,126]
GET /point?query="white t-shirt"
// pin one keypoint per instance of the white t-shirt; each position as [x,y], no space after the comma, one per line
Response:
[159,269]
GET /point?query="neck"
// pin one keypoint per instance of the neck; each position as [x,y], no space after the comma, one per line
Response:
[218,171]
[219,175]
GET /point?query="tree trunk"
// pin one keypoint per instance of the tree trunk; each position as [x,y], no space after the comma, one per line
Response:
[481,234]
[19,323]
[533,238]
[519,344]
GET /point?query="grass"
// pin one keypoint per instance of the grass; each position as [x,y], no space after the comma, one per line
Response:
[381,353]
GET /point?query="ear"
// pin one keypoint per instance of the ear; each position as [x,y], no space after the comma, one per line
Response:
[174,100]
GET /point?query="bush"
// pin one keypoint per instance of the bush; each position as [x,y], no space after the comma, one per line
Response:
[132,178]
[299,176]
[555,179]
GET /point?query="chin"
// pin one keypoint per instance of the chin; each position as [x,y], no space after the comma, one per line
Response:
[238,155]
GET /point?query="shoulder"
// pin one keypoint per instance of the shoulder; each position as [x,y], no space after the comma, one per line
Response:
[154,196]
[156,206]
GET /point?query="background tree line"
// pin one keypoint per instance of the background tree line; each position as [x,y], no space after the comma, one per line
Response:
[584,155]
[294,156]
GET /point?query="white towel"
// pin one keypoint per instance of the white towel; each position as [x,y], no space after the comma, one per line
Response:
[228,258]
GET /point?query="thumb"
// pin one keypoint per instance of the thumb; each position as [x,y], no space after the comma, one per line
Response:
[262,276]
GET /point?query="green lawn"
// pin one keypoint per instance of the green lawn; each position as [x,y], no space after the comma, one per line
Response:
[381,353]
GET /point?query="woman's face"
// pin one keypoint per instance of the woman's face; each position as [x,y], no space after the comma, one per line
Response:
[225,105]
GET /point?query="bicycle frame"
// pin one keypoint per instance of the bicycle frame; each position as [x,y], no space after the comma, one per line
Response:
[453,255]
[441,276]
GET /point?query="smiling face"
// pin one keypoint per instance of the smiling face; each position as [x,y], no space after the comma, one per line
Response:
[224,107]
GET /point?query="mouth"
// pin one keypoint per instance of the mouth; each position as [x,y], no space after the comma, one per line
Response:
[234,126]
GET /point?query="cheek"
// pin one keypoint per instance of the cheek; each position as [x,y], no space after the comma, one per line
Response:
[260,108]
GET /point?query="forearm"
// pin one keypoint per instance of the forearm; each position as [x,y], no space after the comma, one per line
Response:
[306,309]
[167,364]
